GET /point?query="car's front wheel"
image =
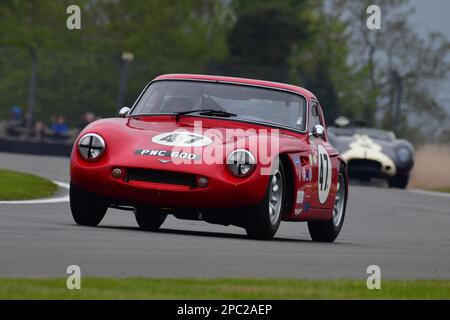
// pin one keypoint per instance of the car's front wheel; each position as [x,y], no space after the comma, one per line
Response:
[149,218]
[327,231]
[264,219]
[86,208]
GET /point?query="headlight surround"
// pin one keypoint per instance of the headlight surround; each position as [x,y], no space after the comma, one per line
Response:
[91,147]
[241,163]
[403,154]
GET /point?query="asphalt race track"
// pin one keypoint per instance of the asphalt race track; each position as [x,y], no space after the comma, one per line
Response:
[407,234]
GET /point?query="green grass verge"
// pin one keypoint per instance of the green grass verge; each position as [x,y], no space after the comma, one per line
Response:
[443,189]
[140,288]
[21,186]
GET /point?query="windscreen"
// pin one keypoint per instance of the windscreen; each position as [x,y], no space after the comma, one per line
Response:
[246,102]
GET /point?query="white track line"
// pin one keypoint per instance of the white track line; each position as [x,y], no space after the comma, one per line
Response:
[431,193]
[64,198]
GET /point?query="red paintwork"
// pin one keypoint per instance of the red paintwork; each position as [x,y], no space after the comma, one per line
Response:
[124,136]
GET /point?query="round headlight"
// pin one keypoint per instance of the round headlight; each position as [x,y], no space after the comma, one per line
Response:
[91,146]
[403,154]
[241,163]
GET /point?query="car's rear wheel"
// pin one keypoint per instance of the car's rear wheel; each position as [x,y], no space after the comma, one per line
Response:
[264,219]
[149,218]
[327,231]
[399,181]
[87,210]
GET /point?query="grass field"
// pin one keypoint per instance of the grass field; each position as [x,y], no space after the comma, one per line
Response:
[137,288]
[21,186]
[444,189]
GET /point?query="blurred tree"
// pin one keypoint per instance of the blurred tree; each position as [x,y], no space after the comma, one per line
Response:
[299,42]
[265,34]
[25,36]
[321,45]
[323,67]
[36,29]
[165,36]
[79,70]
[321,83]
[402,66]
[185,32]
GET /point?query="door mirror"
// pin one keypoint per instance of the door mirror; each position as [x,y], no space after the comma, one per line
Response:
[124,112]
[318,131]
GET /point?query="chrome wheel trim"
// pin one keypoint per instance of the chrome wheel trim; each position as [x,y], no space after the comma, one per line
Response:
[338,210]
[275,197]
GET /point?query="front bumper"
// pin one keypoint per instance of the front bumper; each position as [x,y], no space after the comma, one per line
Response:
[223,190]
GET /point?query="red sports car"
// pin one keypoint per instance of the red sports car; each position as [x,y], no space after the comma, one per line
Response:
[224,150]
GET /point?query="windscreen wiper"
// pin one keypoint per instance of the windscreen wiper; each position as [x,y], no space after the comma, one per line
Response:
[205,112]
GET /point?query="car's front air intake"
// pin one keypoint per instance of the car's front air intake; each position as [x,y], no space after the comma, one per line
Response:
[158,176]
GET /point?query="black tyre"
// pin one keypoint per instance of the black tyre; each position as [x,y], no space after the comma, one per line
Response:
[327,231]
[87,210]
[264,219]
[399,182]
[149,218]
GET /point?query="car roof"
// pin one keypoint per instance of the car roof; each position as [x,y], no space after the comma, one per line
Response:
[261,83]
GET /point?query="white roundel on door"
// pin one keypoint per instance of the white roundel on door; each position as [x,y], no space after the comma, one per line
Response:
[325,171]
[181,139]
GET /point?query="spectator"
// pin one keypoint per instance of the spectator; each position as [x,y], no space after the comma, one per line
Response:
[39,130]
[28,120]
[60,128]
[15,125]
[86,119]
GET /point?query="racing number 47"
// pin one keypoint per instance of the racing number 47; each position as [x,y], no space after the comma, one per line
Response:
[173,136]
[324,167]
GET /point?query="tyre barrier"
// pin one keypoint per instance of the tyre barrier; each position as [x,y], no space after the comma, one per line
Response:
[43,148]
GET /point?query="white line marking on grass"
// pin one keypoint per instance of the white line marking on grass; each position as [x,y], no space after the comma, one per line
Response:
[64,198]
[431,193]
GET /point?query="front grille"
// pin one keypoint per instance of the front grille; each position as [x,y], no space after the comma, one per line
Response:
[361,164]
[157,176]
[364,169]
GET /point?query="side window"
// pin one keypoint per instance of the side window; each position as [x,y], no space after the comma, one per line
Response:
[315,116]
